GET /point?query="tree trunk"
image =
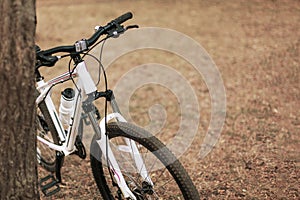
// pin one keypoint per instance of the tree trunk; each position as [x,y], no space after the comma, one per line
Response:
[18,171]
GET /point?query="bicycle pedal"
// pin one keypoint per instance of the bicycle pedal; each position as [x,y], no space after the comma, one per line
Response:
[49,185]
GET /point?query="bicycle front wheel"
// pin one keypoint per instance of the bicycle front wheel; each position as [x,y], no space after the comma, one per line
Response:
[170,179]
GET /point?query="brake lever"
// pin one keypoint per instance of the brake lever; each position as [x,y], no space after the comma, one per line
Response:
[119,29]
[131,27]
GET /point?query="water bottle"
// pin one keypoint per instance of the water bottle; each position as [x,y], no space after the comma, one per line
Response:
[66,105]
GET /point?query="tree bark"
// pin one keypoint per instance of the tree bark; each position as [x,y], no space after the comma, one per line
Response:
[18,170]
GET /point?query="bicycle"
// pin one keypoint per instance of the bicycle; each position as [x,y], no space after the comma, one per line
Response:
[127,162]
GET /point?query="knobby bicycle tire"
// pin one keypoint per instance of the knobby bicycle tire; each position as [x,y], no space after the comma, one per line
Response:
[155,147]
[45,162]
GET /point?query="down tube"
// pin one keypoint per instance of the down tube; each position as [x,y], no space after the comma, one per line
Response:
[74,121]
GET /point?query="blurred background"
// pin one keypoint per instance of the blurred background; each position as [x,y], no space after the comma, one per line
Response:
[256,47]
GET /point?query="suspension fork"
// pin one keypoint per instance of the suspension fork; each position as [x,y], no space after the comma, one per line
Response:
[105,147]
[139,163]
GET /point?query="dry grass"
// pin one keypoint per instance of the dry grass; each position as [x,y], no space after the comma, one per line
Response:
[256,46]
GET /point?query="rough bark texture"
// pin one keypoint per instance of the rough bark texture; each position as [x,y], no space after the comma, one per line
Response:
[18,171]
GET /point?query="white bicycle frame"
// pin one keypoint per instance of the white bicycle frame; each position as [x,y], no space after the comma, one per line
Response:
[85,86]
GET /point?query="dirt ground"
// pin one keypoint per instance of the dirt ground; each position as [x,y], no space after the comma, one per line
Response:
[256,46]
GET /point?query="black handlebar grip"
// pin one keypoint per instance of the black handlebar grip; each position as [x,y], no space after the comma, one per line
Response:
[123,18]
[94,38]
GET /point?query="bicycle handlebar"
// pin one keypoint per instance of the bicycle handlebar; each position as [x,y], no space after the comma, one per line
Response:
[123,18]
[101,31]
